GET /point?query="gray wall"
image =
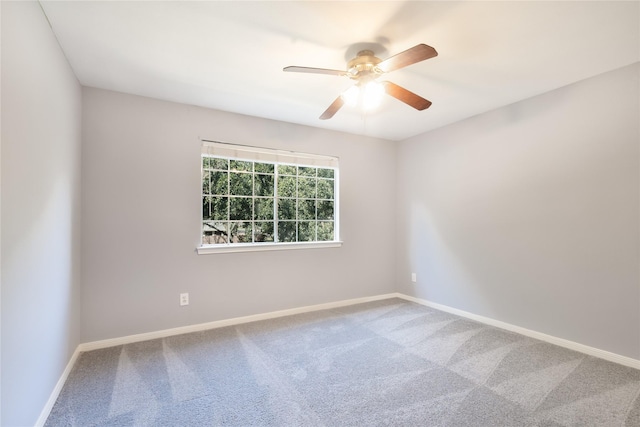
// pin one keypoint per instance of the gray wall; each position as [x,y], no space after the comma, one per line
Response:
[530,214]
[141,215]
[41,113]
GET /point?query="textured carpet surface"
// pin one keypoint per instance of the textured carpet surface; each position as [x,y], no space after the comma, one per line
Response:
[388,362]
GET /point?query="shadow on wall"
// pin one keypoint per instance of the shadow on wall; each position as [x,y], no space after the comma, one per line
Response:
[442,275]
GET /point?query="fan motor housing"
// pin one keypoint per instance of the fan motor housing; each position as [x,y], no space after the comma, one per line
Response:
[363,65]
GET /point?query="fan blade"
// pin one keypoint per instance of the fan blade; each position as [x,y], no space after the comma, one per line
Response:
[333,108]
[408,97]
[410,56]
[314,70]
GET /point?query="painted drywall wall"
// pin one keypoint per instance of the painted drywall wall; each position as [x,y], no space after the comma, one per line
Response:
[41,119]
[141,214]
[530,214]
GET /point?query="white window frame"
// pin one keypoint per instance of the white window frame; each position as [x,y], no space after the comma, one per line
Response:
[266,155]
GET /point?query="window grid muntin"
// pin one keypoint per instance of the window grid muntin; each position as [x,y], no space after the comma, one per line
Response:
[276,220]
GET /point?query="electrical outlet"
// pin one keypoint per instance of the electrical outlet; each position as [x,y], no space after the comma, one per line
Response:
[414,279]
[184,299]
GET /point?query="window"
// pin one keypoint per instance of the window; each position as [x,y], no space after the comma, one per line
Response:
[256,198]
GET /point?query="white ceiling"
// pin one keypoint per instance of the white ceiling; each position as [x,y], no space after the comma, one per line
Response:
[229,55]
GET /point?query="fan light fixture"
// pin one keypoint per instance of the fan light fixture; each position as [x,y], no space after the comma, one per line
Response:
[372,95]
[368,96]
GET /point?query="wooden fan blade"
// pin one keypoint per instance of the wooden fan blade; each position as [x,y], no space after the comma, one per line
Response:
[408,97]
[410,56]
[314,70]
[333,108]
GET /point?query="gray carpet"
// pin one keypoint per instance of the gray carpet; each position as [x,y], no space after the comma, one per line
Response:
[388,362]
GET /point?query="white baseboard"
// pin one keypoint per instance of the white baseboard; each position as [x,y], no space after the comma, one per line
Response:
[94,345]
[44,414]
[591,351]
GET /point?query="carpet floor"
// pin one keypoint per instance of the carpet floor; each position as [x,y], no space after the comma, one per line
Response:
[388,362]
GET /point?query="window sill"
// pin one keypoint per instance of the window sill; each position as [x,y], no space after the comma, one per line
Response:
[257,247]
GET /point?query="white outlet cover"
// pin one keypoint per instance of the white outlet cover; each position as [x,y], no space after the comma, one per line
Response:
[414,279]
[184,299]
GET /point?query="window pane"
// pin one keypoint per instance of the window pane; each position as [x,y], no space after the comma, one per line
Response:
[325,173]
[214,233]
[263,232]
[306,231]
[287,186]
[241,184]
[241,232]
[241,208]
[264,167]
[206,208]
[286,209]
[241,165]
[325,209]
[325,231]
[325,189]
[287,231]
[306,209]
[307,188]
[264,185]
[206,182]
[220,183]
[306,171]
[221,164]
[286,170]
[219,208]
[262,209]
[206,162]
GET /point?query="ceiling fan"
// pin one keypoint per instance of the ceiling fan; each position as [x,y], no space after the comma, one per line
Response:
[366,68]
